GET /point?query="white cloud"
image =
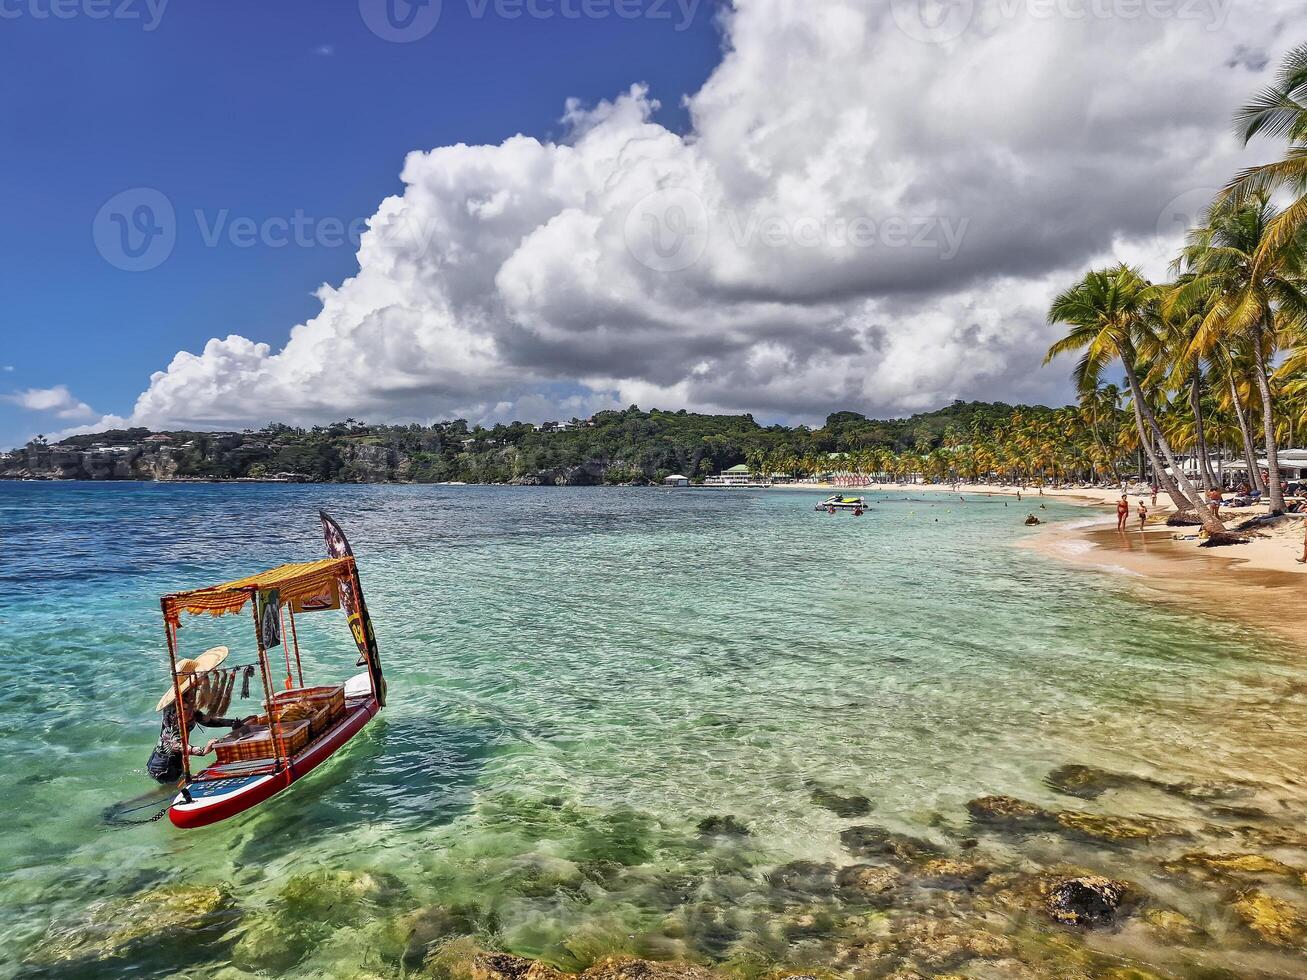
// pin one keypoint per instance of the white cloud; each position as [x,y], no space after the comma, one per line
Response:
[58,401]
[857,218]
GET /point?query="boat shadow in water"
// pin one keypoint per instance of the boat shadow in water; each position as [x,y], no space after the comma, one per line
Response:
[400,773]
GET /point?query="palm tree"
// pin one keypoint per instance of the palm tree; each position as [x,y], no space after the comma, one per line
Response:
[1182,370]
[1109,312]
[1279,110]
[1249,294]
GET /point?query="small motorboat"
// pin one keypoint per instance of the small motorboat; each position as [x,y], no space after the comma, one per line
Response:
[841,502]
[301,725]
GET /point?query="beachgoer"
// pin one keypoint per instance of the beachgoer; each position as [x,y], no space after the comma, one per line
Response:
[1154,494]
[165,763]
[1214,500]
[1122,512]
[1143,515]
[1303,559]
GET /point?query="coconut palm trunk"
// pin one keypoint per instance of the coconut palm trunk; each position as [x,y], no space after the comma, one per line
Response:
[1187,490]
[1200,437]
[1148,457]
[1268,428]
[1245,430]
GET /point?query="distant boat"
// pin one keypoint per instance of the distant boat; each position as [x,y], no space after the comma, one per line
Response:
[841,502]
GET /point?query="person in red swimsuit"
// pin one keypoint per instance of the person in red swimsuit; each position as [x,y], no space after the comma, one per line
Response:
[1122,512]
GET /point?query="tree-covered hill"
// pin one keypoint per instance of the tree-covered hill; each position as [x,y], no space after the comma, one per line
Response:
[612,446]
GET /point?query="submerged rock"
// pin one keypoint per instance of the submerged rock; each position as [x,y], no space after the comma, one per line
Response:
[1170,926]
[868,881]
[1008,811]
[869,841]
[1088,782]
[269,944]
[949,873]
[1274,920]
[337,896]
[156,920]
[628,968]
[1119,830]
[841,806]
[942,943]
[506,966]
[1032,520]
[723,825]
[1089,901]
[1227,865]
[804,877]
[412,937]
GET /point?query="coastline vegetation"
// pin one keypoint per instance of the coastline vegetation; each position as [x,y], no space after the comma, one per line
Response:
[1226,340]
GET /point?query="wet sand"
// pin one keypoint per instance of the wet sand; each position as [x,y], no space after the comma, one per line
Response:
[1165,564]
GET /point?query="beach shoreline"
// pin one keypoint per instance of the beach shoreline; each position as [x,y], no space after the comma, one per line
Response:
[1252,582]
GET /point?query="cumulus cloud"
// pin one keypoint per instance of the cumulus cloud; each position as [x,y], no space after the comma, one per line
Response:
[57,401]
[871,210]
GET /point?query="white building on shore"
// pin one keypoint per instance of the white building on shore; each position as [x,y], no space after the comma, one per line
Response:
[737,476]
[676,480]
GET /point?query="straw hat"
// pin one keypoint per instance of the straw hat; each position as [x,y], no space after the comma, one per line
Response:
[189,668]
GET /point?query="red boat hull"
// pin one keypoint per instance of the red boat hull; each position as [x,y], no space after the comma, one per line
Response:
[213,800]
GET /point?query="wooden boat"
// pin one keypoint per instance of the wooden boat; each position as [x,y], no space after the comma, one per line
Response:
[840,501]
[301,726]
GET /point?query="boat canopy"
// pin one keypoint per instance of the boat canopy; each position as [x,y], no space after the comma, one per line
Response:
[299,580]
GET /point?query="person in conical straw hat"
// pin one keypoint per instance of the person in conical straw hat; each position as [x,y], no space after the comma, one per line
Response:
[165,765]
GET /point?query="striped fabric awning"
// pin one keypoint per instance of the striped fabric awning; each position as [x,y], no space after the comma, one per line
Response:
[300,580]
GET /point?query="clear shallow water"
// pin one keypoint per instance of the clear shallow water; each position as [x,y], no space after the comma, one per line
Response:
[578,677]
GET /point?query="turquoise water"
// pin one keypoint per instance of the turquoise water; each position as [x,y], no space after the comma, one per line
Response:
[577,678]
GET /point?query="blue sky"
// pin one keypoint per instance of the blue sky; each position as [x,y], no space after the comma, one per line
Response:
[264,109]
[798,208]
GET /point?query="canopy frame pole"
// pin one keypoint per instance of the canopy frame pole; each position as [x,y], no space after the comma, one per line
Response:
[265,671]
[294,636]
[183,722]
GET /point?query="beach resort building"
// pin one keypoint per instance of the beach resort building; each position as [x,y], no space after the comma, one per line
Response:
[676,480]
[736,476]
